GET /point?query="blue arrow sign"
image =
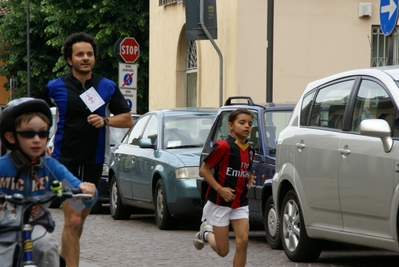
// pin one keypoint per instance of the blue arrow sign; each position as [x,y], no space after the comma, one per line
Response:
[388,15]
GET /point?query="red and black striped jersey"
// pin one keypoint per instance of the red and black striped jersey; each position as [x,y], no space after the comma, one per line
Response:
[231,161]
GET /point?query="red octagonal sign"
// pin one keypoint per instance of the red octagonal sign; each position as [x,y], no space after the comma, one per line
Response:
[129,50]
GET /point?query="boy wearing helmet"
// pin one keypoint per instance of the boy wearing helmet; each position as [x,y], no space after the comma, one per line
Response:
[24,128]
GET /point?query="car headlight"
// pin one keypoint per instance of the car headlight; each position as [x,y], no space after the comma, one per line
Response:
[187,173]
[105,170]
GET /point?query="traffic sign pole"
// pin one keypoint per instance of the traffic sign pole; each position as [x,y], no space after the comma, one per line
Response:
[127,50]
[388,20]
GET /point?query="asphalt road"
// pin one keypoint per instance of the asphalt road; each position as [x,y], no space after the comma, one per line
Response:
[139,242]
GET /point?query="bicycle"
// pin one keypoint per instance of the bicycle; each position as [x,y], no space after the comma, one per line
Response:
[25,255]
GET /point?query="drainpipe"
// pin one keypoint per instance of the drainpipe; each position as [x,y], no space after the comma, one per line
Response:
[269,64]
[217,50]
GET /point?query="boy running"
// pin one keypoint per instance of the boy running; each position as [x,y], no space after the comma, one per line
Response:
[227,192]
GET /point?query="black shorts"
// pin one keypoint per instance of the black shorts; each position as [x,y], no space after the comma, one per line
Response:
[86,173]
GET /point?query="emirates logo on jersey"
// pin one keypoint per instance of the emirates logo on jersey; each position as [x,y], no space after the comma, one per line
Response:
[236,173]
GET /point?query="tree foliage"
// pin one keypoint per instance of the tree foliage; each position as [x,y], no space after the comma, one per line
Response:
[52,21]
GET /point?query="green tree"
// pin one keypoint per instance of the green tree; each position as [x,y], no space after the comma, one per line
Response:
[52,21]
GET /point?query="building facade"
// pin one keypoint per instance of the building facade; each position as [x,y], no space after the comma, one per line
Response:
[312,39]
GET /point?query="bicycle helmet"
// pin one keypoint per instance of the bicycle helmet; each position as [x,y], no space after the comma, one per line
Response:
[15,108]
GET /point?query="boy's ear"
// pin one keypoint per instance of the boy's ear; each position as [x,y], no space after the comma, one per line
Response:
[10,137]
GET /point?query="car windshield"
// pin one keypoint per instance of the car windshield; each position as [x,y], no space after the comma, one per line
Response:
[186,131]
[275,121]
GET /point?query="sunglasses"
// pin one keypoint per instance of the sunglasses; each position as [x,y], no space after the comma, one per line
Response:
[31,134]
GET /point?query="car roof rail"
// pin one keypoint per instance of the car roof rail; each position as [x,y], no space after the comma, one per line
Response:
[249,100]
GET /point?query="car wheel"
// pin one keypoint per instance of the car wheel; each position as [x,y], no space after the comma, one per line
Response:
[297,245]
[97,208]
[272,227]
[164,219]
[117,209]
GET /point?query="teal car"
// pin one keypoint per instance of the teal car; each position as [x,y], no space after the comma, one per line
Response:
[155,166]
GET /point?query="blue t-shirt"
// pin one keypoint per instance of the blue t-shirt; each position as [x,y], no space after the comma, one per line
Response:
[34,183]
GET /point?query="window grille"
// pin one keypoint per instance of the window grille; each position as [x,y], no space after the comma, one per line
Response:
[191,56]
[380,46]
[191,75]
[168,2]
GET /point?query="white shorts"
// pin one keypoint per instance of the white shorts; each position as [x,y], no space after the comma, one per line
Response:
[221,216]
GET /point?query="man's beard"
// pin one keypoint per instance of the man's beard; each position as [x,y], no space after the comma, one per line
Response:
[84,71]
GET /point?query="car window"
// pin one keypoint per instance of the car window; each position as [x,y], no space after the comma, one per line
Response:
[186,131]
[373,102]
[54,115]
[223,131]
[134,135]
[116,135]
[307,103]
[275,121]
[151,130]
[330,105]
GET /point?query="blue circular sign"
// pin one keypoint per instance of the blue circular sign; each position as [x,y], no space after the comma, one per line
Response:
[388,15]
[128,79]
[129,102]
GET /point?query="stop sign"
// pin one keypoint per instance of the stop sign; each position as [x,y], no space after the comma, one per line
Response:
[129,50]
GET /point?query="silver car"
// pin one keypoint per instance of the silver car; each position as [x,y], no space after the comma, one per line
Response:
[337,166]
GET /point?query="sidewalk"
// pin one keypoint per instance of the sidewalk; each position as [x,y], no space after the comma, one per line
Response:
[86,264]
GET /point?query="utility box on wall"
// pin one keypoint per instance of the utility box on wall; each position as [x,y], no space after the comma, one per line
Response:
[365,9]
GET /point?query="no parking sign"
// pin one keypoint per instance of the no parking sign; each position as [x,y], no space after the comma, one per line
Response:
[127,76]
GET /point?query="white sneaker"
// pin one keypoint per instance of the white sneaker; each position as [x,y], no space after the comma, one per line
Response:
[199,240]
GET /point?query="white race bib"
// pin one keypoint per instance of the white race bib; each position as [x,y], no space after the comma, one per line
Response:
[92,99]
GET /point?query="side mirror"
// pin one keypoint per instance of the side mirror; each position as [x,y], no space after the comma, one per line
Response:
[379,128]
[146,143]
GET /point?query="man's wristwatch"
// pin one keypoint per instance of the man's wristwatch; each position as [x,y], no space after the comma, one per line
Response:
[105,121]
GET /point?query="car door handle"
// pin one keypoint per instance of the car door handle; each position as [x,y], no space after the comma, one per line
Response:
[300,145]
[344,151]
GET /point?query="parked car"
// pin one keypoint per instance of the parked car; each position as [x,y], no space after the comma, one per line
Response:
[156,165]
[269,120]
[115,136]
[337,171]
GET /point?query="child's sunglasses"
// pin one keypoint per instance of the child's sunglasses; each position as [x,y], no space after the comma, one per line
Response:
[31,134]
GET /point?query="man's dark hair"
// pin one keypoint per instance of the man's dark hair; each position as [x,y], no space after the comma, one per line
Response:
[76,38]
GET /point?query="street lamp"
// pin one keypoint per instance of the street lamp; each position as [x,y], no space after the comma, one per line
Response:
[28,47]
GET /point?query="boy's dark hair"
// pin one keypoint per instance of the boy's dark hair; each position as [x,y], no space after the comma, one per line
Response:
[234,114]
[28,116]
[76,38]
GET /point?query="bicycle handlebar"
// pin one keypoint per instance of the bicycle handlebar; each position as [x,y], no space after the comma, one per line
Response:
[56,187]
